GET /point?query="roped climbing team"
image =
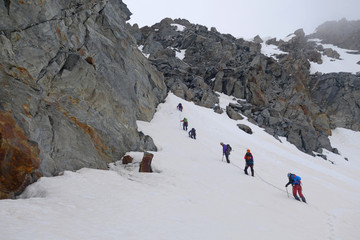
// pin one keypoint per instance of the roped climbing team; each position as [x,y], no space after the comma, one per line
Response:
[294,180]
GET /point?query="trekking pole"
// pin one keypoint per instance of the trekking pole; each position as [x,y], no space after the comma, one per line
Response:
[222,158]
[287,192]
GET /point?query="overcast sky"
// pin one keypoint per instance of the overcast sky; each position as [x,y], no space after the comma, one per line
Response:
[246,18]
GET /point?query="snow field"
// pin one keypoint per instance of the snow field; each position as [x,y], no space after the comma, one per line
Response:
[192,194]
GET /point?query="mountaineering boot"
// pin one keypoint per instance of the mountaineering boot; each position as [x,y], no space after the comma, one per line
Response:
[303,199]
[296,197]
[246,172]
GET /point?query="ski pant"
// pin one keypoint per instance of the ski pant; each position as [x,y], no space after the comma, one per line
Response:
[251,167]
[227,157]
[185,125]
[297,189]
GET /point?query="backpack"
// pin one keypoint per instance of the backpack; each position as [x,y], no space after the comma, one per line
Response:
[297,180]
[248,156]
[228,148]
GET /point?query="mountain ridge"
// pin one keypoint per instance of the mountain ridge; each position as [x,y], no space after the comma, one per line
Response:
[278,91]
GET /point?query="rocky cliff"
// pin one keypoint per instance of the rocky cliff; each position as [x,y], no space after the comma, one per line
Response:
[73,84]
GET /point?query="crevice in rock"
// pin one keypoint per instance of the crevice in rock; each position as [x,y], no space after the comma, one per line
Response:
[52,144]
[44,70]
[7,6]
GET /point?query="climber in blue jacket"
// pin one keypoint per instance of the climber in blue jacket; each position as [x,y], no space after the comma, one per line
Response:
[295,181]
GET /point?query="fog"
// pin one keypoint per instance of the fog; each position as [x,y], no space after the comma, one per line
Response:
[276,18]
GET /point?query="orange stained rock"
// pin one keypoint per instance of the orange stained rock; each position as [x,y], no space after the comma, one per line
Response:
[18,157]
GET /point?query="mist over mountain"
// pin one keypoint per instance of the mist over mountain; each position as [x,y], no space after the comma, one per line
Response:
[343,33]
[74,83]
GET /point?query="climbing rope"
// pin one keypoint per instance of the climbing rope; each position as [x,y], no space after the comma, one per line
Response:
[235,165]
[258,176]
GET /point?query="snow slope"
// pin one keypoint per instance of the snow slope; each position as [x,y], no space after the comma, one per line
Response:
[271,50]
[192,193]
[348,61]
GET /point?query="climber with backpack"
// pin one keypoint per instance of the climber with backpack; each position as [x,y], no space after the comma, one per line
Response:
[179,107]
[226,151]
[249,162]
[192,133]
[185,123]
[295,181]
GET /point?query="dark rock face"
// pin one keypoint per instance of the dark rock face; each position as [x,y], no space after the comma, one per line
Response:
[74,81]
[338,95]
[278,92]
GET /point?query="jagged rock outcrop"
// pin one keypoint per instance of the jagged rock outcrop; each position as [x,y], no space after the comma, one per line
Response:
[278,92]
[74,82]
[338,96]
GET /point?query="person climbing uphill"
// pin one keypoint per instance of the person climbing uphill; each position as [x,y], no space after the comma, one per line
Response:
[226,151]
[185,123]
[179,107]
[192,133]
[249,162]
[295,181]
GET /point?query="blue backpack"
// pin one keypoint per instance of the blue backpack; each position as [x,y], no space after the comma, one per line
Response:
[296,180]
